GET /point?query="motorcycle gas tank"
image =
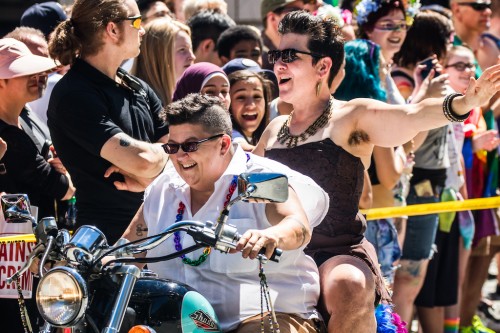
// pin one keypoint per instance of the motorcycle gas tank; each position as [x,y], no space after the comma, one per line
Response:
[170,306]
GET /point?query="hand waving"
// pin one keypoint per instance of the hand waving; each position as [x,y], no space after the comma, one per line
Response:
[480,91]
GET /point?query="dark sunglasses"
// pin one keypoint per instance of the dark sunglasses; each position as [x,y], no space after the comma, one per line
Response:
[392,26]
[288,55]
[477,6]
[461,66]
[187,147]
[136,21]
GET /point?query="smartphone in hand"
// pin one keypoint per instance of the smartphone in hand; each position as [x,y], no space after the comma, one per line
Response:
[429,65]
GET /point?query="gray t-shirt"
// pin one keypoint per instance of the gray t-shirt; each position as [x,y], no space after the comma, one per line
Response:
[433,153]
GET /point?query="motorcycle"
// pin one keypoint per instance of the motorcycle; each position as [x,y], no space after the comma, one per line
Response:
[89,294]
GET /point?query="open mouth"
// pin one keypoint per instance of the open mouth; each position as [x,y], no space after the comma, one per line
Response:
[394,40]
[188,166]
[249,116]
[284,80]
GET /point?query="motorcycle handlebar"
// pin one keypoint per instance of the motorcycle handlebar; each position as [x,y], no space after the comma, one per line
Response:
[276,256]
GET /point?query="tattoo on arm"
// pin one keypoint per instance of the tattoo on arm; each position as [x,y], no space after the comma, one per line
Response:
[140,229]
[124,141]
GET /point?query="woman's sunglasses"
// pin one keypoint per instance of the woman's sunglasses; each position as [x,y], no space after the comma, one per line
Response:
[136,21]
[392,26]
[288,55]
[477,6]
[461,66]
[187,147]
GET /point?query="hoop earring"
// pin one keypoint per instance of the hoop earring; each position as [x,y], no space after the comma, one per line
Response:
[318,88]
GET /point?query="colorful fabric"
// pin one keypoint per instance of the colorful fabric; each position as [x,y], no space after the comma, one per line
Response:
[389,321]
[451,325]
[481,169]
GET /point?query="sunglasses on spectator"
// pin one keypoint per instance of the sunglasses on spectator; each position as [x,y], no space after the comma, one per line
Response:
[187,147]
[391,26]
[288,55]
[477,6]
[135,21]
[461,66]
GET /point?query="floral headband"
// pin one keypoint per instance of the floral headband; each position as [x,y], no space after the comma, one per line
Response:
[336,14]
[366,7]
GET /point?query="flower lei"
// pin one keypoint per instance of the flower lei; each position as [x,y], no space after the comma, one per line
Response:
[177,236]
[366,7]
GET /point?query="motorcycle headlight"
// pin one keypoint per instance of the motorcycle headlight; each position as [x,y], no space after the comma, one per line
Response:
[61,297]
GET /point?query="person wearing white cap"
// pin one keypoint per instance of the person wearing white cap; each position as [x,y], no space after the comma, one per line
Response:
[23,77]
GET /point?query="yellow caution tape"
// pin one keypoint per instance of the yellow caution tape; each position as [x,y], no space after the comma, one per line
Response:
[18,238]
[431,208]
[371,214]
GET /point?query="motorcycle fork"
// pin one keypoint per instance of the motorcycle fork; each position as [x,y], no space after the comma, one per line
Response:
[130,274]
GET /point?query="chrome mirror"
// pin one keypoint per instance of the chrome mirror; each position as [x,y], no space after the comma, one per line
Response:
[16,208]
[263,187]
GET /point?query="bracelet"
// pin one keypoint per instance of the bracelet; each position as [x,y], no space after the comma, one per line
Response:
[448,110]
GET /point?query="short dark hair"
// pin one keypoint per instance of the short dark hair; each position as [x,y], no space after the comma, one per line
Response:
[197,109]
[208,24]
[233,35]
[325,37]
[428,35]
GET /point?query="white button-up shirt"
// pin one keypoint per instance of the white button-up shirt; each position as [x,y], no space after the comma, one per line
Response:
[229,282]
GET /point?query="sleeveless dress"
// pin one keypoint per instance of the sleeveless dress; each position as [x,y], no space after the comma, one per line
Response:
[340,174]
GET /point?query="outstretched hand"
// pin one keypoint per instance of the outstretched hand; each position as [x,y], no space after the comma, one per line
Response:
[131,182]
[480,91]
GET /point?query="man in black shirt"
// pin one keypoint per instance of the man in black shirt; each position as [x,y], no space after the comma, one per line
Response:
[101,117]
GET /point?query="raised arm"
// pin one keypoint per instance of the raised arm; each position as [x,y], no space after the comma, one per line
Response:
[392,125]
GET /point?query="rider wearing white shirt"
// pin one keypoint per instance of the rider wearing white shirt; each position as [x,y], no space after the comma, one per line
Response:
[198,188]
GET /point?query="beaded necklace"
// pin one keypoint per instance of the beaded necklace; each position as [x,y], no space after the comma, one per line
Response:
[177,236]
[292,140]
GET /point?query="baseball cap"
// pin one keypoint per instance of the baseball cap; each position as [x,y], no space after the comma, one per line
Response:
[43,16]
[239,64]
[267,6]
[17,60]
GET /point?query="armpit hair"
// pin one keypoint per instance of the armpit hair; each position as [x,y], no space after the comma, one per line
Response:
[358,137]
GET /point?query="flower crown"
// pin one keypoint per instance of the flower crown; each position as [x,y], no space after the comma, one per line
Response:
[366,7]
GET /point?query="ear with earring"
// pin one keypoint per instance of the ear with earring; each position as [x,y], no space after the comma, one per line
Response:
[318,87]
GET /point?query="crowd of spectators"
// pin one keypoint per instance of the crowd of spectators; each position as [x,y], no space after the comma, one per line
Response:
[82,96]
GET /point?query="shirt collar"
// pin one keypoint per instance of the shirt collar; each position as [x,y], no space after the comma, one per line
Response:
[236,167]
